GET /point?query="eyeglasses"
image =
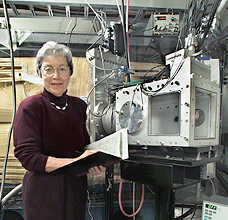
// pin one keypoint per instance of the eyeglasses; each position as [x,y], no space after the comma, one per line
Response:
[62,70]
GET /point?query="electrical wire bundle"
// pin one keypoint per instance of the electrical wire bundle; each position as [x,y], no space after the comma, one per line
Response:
[216,46]
[110,88]
[200,17]
[222,175]
[209,22]
[168,81]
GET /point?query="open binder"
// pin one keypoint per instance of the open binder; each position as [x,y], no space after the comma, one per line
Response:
[111,149]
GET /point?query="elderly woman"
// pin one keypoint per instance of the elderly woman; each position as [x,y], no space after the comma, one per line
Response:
[49,129]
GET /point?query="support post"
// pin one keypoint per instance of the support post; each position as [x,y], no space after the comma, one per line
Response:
[109,192]
[164,203]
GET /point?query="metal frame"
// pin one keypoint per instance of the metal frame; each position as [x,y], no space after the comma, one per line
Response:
[99,99]
[134,3]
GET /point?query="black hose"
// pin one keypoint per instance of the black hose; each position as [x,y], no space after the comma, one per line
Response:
[14,98]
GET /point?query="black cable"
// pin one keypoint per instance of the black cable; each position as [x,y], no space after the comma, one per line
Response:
[204,15]
[156,76]
[169,80]
[189,212]
[193,7]
[124,35]
[222,180]
[75,24]
[14,96]
[222,167]
[193,215]
[94,44]
[90,92]
[209,23]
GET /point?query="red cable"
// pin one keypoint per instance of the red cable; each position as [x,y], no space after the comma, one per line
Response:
[120,203]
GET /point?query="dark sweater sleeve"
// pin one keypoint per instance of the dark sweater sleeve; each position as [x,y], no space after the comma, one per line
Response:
[27,136]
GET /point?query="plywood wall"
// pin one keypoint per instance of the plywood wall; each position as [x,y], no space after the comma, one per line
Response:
[79,82]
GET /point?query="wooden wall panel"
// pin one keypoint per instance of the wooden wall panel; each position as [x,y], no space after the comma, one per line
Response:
[79,82]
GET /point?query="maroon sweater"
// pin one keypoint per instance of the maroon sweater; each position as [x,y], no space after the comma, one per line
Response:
[41,130]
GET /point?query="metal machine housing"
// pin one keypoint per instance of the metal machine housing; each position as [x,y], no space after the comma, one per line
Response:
[184,112]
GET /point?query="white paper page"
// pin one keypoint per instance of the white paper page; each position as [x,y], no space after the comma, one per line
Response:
[115,144]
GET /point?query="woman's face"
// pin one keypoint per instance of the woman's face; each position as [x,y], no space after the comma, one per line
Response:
[55,83]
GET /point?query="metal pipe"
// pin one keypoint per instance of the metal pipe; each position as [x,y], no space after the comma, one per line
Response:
[12,193]
[221,8]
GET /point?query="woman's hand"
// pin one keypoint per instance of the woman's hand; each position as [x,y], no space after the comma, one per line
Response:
[93,170]
[97,170]
[55,163]
[86,153]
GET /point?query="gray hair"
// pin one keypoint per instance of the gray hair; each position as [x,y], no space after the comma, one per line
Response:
[54,49]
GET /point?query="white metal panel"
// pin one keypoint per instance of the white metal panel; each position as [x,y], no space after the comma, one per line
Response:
[52,24]
[195,92]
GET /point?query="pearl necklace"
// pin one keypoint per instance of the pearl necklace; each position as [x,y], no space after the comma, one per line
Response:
[59,108]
